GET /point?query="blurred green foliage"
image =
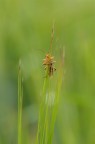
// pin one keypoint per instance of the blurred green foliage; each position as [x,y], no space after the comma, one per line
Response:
[25,29]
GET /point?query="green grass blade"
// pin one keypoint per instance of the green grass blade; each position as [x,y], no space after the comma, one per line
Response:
[41,114]
[48,112]
[55,106]
[20,99]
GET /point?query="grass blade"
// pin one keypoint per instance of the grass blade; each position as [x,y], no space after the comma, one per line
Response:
[20,99]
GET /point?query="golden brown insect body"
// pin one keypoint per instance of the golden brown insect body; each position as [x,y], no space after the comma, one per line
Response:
[49,59]
[49,64]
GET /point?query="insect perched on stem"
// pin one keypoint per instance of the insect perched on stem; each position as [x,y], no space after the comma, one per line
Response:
[48,62]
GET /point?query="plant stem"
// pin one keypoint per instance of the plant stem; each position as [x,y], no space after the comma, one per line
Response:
[20,99]
[42,113]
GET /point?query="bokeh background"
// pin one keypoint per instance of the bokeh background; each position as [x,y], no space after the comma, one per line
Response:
[25,31]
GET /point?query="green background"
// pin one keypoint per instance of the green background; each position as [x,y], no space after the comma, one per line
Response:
[25,31]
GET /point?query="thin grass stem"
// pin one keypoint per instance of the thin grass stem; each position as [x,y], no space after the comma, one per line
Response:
[20,100]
